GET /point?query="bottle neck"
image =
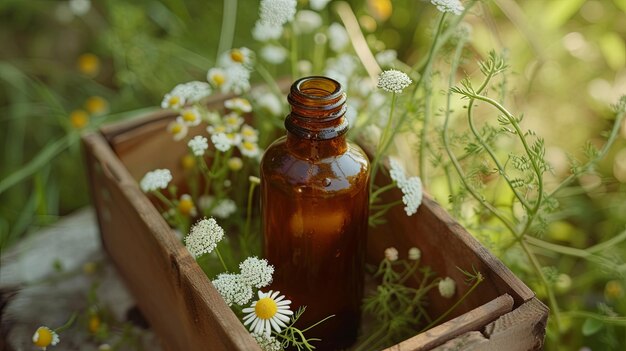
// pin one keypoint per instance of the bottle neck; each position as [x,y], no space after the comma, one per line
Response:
[316,125]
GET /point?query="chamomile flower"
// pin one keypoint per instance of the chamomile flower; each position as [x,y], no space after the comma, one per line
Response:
[178,128]
[234,164]
[221,142]
[263,31]
[338,36]
[172,101]
[232,121]
[250,134]
[217,77]
[45,337]
[393,81]
[256,272]
[193,91]
[267,343]
[203,237]
[186,206]
[240,56]
[447,287]
[191,116]
[154,180]
[233,289]
[269,312]
[274,54]
[238,104]
[198,145]
[391,254]
[224,209]
[249,149]
[234,138]
[414,254]
[216,129]
[451,6]
[277,12]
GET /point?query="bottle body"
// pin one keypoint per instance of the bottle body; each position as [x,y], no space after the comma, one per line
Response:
[314,201]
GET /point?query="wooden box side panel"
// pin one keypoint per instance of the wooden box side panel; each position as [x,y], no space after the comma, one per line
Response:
[171,290]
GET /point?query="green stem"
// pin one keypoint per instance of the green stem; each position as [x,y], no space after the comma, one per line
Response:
[382,189]
[67,324]
[219,255]
[229,23]
[248,214]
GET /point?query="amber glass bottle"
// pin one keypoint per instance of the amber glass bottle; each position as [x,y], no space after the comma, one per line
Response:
[314,200]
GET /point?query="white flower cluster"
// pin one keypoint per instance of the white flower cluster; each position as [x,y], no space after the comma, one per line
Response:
[391,254]
[277,12]
[411,187]
[414,254]
[198,145]
[230,131]
[203,237]
[154,180]
[232,289]
[256,272]
[267,343]
[393,81]
[237,288]
[451,6]
[447,287]
[190,92]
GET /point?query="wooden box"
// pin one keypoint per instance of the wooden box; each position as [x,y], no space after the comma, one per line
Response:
[188,314]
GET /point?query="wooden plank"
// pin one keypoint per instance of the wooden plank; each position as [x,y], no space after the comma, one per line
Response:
[472,320]
[171,289]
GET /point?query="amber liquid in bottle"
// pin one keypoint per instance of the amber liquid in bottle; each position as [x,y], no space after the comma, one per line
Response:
[314,201]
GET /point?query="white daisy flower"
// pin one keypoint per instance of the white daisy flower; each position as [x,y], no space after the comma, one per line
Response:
[235,164]
[217,77]
[234,138]
[318,5]
[307,22]
[216,129]
[186,206]
[386,58]
[172,101]
[277,12]
[193,91]
[414,254]
[157,179]
[224,208]
[233,289]
[203,237]
[256,272]
[45,337]
[393,81]
[237,79]
[221,142]
[191,116]
[249,149]
[391,254]
[250,134]
[266,31]
[338,36]
[451,6]
[198,145]
[267,343]
[269,312]
[239,56]
[178,129]
[238,104]
[232,121]
[274,54]
[447,287]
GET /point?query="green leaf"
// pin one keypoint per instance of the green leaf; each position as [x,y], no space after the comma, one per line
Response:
[591,326]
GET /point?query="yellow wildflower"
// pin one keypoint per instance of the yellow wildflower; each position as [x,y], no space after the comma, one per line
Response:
[88,64]
[96,105]
[79,119]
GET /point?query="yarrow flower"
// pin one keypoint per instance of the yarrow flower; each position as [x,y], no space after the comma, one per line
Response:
[198,145]
[256,272]
[221,142]
[391,254]
[157,179]
[414,254]
[393,81]
[267,343]
[452,6]
[411,187]
[277,12]
[203,237]
[45,337]
[447,287]
[269,312]
[396,171]
[233,289]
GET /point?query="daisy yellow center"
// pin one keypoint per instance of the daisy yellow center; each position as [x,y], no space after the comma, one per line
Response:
[218,79]
[185,206]
[42,337]
[237,56]
[248,145]
[189,116]
[95,104]
[79,119]
[247,132]
[176,128]
[188,161]
[88,64]
[265,308]
[174,100]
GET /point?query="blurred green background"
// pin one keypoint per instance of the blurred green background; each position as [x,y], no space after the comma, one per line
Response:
[67,67]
